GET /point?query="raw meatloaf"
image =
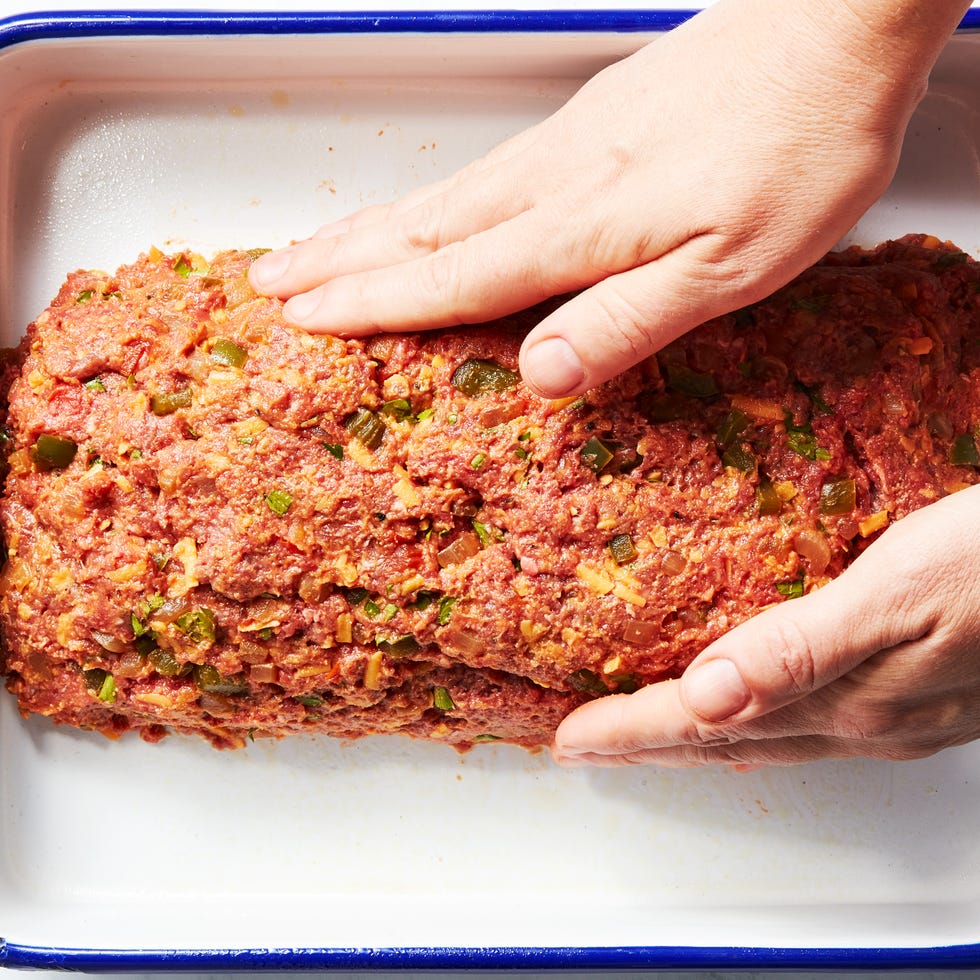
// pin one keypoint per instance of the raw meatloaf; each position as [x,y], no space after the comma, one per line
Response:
[220,525]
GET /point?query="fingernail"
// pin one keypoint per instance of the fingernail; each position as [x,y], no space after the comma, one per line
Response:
[300,308]
[716,690]
[553,368]
[268,269]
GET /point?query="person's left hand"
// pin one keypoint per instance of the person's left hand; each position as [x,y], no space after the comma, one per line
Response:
[882,662]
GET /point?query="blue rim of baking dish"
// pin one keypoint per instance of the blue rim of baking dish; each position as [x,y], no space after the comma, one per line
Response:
[38,26]
[24,27]
[44,26]
[496,958]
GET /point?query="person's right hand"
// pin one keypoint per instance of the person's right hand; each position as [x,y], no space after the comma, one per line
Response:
[882,662]
[692,178]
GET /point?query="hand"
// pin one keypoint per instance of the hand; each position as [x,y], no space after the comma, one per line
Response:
[694,177]
[882,662]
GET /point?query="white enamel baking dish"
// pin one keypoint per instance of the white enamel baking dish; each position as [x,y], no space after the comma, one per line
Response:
[207,131]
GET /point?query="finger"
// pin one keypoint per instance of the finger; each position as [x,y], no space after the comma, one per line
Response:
[743,756]
[477,169]
[506,268]
[831,723]
[434,223]
[486,192]
[901,740]
[539,252]
[376,214]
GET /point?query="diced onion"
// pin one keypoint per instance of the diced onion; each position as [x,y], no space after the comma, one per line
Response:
[814,547]
[217,704]
[264,673]
[465,546]
[640,631]
[252,653]
[498,414]
[266,613]
[893,405]
[109,642]
[237,291]
[172,609]
[312,589]
[940,426]
[468,644]
[129,665]
[673,563]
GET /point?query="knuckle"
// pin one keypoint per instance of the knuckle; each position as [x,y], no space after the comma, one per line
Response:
[621,325]
[440,277]
[422,229]
[683,757]
[906,733]
[608,250]
[367,216]
[794,658]
[705,755]
[732,267]
[867,724]
[705,736]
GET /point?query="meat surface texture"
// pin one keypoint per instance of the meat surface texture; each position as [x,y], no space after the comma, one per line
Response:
[217,524]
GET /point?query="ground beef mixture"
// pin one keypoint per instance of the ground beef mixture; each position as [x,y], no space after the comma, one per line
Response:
[217,524]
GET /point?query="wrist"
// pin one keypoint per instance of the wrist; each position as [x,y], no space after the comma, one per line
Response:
[900,37]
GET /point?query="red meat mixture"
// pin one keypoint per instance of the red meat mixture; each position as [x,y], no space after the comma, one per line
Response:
[217,524]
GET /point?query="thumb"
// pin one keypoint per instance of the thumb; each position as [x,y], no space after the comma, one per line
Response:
[897,591]
[796,648]
[629,315]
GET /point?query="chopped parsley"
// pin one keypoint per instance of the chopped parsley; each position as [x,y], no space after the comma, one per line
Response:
[308,700]
[279,501]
